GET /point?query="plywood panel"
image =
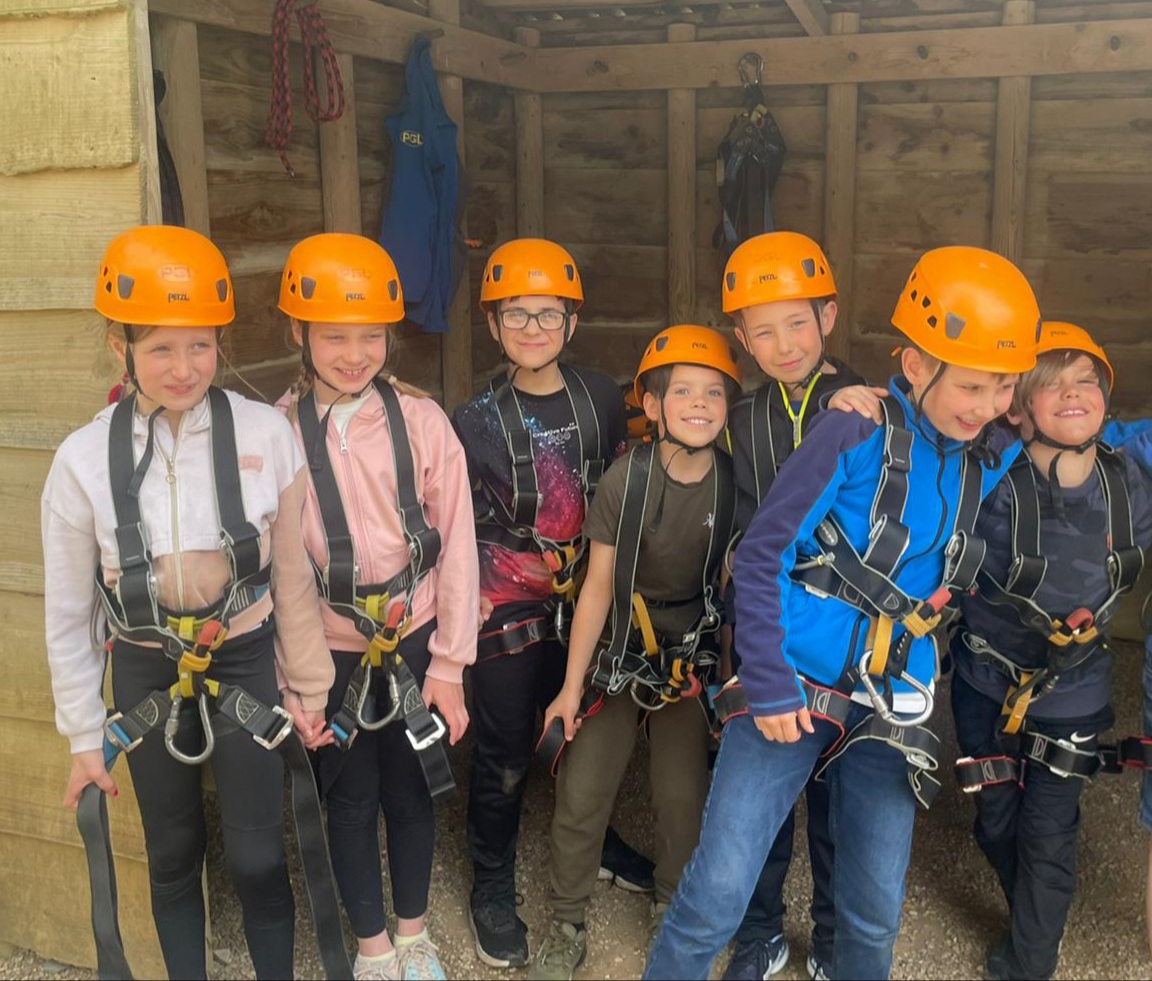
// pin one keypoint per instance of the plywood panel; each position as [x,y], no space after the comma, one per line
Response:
[67,93]
[926,136]
[936,208]
[27,417]
[54,227]
[22,476]
[27,691]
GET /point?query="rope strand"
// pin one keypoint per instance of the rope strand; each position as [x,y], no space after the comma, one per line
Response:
[313,35]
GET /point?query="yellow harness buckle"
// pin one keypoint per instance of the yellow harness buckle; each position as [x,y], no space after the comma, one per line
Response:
[879,642]
[376,606]
[1015,705]
[643,622]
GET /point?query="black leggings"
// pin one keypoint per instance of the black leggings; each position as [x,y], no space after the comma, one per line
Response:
[380,771]
[250,788]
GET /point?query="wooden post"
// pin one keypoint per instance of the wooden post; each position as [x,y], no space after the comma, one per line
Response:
[681,194]
[840,190]
[150,208]
[529,151]
[1013,118]
[456,347]
[339,159]
[176,52]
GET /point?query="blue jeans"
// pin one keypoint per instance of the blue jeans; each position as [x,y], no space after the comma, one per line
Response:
[754,785]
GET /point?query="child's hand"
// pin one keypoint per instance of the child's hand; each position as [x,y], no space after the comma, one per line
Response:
[485,611]
[449,699]
[859,398]
[566,706]
[87,768]
[784,728]
[310,724]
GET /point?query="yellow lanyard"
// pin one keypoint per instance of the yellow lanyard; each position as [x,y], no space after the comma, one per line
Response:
[798,417]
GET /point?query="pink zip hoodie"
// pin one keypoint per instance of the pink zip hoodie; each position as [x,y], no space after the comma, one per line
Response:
[365,474]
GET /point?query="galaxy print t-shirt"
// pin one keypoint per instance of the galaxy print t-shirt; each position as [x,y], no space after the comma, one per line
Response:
[511,577]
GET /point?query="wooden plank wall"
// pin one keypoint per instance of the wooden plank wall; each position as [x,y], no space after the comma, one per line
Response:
[74,171]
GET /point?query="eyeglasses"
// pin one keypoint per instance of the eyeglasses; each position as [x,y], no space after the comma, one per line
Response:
[516,318]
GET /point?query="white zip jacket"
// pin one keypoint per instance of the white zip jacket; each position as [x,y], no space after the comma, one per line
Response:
[179,513]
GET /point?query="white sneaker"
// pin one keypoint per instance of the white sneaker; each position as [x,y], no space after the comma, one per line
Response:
[816,969]
[419,961]
[385,968]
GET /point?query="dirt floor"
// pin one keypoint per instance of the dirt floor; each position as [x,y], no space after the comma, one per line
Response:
[953,912]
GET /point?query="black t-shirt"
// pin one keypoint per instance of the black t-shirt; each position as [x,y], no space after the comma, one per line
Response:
[506,576]
[678,520]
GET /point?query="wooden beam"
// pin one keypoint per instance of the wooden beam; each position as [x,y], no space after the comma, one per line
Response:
[150,211]
[529,152]
[812,16]
[840,189]
[372,30]
[456,346]
[1013,121]
[681,193]
[975,52]
[176,52]
[339,157]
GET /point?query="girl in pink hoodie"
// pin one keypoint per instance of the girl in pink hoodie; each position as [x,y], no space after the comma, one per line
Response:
[388,524]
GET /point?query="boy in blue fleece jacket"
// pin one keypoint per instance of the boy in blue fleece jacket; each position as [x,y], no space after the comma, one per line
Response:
[838,582]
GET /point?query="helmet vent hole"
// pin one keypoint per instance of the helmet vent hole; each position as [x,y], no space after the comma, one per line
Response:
[393,289]
[913,294]
[307,287]
[661,343]
[570,272]
[292,288]
[730,281]
[124,286]
[497,272]
[926,302]
[108,286]
[954,326]
[222,289]
[105,272]
[809,267]
[932,321]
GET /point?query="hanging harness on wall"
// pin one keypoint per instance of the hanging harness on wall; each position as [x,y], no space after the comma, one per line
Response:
[1071,641]
[866,582]
[655,670]
[381,612]
[313,35]
[515,528]
[192,639]
[748,164]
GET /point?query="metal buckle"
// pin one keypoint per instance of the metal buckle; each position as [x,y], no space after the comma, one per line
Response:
[882,708]
[432,737]
[116,735]
[281,735]
[172,727]
[393,694]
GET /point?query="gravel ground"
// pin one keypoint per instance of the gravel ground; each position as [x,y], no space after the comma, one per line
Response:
[953,912]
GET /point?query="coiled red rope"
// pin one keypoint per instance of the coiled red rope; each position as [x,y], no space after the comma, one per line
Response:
[313,35]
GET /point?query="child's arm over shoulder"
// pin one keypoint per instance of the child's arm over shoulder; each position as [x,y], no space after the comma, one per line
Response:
[800,498]
[448,503]
[1134,439]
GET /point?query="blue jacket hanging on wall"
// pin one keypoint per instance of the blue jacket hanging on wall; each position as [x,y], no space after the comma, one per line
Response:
[420,229]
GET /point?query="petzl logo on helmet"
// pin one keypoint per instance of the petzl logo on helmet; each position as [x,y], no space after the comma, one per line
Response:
[1004,344]
[412,138]
[767,278]
[177,297]
[536,274]
[349,297]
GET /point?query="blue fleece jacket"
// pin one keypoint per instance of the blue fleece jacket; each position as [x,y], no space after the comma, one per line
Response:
[782,630]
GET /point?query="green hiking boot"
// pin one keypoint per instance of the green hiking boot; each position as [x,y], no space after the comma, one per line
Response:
[560,954]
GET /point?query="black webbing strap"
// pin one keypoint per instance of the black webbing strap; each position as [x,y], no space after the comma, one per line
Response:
[92,820]
[552,741]
[974,773]
[764,464]
[822,702]
[512,637]
[241,539]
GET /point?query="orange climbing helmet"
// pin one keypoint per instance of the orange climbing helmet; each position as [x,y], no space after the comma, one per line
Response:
[339,278]
[164,276]
[1055,335]
[970,307]
[776,266]
[531,267]
[687,344]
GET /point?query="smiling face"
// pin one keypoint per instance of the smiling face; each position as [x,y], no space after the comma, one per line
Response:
[520,325]
[346,356]
[960,402]
[174,366]
[1064,397]
[695,405]
[786,337]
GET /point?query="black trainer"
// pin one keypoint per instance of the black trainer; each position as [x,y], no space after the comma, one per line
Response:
[501,936]
[622,865]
